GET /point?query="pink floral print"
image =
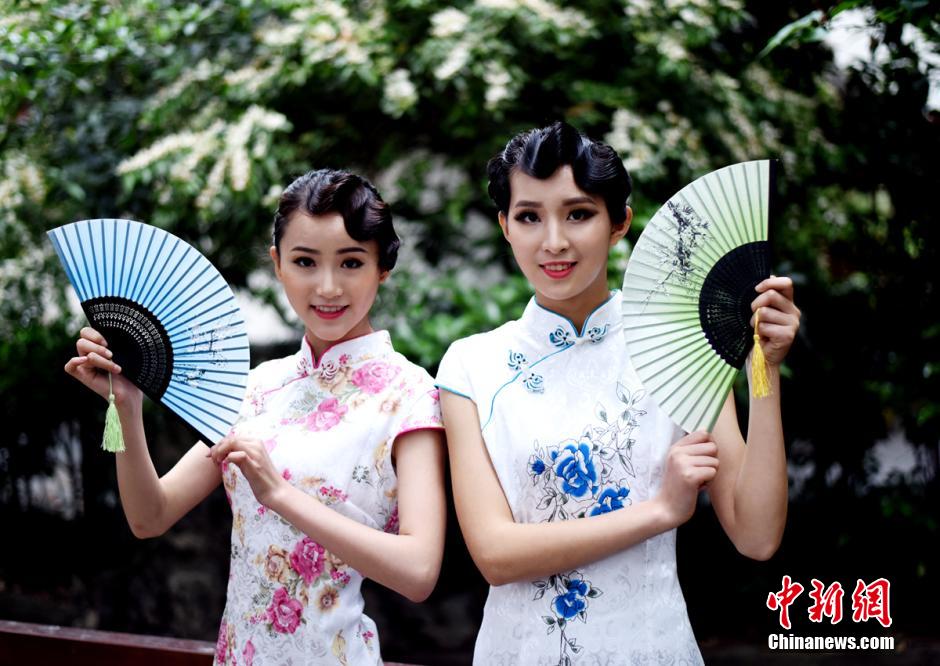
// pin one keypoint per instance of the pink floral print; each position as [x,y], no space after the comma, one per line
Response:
[374,376]
[327,415]
[284,612]
[307,559]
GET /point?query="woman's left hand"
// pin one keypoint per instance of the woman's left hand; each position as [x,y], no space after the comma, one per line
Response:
[253,460]
[779,317]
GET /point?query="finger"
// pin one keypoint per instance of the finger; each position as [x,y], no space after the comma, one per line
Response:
[221,450]
[772,316]
[782,284]
[695,437]
[773,299]
[703,461]
[94,336]
[239,458]
[700,449]
[85,347]
[98,361]
[75,363]
[777,333]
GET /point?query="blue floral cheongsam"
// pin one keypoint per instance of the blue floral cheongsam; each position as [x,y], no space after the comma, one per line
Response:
[571,434]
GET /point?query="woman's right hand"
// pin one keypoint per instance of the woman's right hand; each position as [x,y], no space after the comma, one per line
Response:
[690,464]
[92,365]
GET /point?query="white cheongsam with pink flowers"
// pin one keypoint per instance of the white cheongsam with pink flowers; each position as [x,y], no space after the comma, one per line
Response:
[329,429]
[572,434]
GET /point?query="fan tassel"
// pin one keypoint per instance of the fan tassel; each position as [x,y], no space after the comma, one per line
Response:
[760,384]
[113,440]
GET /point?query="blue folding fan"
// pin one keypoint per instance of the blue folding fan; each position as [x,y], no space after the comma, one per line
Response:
[169,317]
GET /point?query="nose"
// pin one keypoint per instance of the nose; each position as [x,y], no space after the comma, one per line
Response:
[329,286]
[555,241]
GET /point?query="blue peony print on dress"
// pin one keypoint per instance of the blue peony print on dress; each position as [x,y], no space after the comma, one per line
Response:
[586,476]
[569,603]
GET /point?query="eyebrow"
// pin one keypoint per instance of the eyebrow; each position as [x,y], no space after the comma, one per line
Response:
[567,202]
[343,250]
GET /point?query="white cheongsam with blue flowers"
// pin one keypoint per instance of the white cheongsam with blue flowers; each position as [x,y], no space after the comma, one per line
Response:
[571,433]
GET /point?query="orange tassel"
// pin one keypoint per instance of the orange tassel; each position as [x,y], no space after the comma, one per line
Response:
[760,384]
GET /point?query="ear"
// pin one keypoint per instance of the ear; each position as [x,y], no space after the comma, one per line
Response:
[276,258]
[503,224]
[618,232]
[383,276]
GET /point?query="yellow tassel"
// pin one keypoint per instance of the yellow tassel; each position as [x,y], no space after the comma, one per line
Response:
[760,384]
[113,439]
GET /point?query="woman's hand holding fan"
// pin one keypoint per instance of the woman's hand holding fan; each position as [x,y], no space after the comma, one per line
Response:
[92,365]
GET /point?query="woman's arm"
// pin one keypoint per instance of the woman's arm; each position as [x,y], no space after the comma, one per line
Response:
[506,551]
[151,504]
[408,562]
[749,492]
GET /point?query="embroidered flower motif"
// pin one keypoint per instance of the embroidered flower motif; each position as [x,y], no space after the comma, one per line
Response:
[569,603]
[284,612]
[276,565]
[330,495]
[517,360]
[307,559]
[374,376]
[575,470]
[574,601]
[536,467]
[561,337]
[327,415]
[610,500]
[328,599]
[248,653]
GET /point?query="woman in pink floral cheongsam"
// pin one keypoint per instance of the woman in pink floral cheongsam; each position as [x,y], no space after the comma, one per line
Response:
[334,470]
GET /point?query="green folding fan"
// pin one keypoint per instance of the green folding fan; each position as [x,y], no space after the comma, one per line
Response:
[688,288]
[170,319]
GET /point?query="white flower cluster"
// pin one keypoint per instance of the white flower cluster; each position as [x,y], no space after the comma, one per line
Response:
[203,71]
[399,94]
[448,22]
[325,32]
[234,159]
[563,19]
[21,182]
[645,143]
[439,180]
[498,85]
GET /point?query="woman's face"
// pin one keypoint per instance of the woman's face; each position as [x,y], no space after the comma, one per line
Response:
[560,236]
[330,278]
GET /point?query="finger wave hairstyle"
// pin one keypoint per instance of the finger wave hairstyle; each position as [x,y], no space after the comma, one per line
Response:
[597,168]
[365,215]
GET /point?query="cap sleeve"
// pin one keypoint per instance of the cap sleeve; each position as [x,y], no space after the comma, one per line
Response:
[452,373]
[423,413]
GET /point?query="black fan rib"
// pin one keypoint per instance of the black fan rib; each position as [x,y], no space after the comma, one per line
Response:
[137,339]
[725,300]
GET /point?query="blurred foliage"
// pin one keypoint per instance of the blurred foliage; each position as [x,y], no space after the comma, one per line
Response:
[194,115]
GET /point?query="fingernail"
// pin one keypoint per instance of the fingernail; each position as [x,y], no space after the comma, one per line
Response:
[109,353]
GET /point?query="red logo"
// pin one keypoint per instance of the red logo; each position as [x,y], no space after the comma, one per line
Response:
[869,602]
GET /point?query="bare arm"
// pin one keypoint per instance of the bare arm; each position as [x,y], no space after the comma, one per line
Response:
[151,504]
[408,562]
[749,492]
[506,551]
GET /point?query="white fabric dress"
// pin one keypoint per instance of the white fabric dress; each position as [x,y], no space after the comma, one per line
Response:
[571,433]
[329,429]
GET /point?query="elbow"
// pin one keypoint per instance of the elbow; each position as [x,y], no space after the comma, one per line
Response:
[421,582]
[495,569]
[145,530]
[759,550]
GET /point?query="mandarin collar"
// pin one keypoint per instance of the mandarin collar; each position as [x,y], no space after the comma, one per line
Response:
[556,330]
[376,344]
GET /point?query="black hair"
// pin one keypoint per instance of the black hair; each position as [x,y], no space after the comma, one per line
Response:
[365,215]
[540,152]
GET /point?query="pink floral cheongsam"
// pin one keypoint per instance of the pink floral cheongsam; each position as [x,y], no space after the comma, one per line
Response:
[329,429]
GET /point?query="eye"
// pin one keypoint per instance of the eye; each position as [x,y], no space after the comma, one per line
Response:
[527,217]
[305,262]
[351,263]
[581,214]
